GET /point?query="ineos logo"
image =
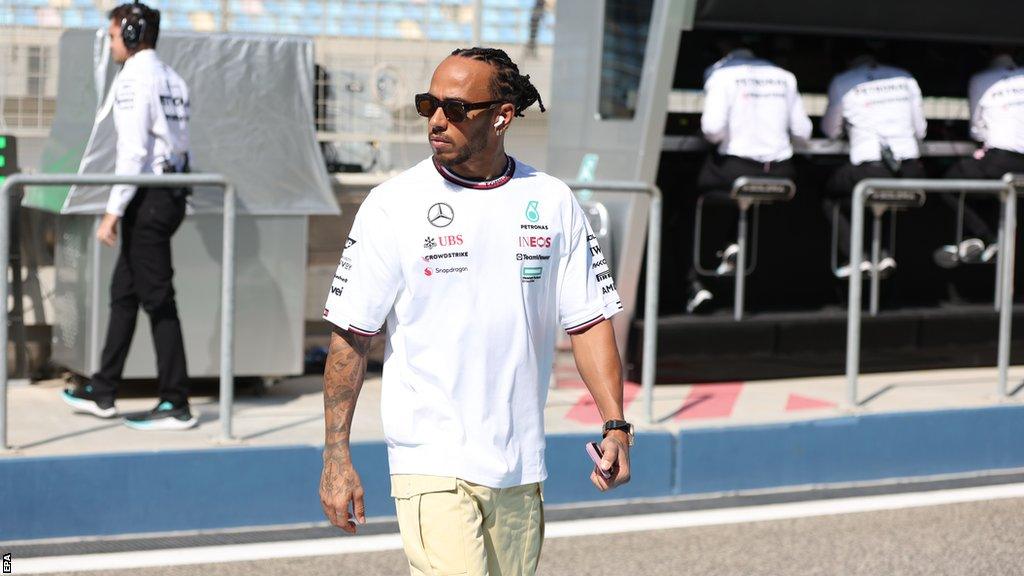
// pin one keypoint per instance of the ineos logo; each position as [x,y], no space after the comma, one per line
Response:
[440,215]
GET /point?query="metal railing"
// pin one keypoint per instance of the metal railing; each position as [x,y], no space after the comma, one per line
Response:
[648,365]
[227,295]
[1006,188]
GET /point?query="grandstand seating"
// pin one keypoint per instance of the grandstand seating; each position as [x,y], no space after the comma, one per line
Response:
[504,21]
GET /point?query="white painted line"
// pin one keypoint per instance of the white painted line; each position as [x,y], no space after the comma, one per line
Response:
[768,512]
[208,554]
[572,528]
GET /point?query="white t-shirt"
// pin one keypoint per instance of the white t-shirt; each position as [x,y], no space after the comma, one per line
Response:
[751,107]
[151,112]
[878,105]
[997,106]
[472,278]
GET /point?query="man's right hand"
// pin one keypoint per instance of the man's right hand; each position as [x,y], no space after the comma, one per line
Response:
[339,487]
[107,230]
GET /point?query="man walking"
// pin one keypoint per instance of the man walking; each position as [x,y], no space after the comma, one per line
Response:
[151,110]
[469,258]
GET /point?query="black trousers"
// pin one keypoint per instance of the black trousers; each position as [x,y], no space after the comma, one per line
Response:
[718,172]
[716,178]
[992,166]
[839,191]
[143,277]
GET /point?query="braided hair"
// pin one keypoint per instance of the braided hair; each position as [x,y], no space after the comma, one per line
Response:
[507,83]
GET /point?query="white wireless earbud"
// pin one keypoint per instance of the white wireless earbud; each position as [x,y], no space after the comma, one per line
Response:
[499,121]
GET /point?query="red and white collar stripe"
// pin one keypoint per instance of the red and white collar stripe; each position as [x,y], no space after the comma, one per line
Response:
[506,175]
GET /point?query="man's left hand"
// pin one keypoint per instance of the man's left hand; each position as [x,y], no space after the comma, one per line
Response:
[107,231]
[615,460]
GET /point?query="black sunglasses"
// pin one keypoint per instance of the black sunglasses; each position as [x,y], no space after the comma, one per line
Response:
[454,110]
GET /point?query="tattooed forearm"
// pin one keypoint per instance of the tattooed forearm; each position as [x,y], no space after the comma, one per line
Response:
[343,379]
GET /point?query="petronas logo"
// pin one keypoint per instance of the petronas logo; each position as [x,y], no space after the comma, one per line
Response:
[531,211]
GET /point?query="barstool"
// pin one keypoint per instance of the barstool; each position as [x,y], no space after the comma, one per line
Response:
[880,201]
[747,192]
[834,240]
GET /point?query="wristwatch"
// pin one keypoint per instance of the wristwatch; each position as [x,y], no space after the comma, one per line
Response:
[620,425]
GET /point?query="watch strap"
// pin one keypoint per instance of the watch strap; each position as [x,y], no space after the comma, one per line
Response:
[619,425]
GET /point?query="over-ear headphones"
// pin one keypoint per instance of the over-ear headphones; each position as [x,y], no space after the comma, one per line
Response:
[133,27]
[498,123]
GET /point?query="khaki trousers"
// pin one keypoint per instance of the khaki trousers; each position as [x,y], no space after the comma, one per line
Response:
[450,526]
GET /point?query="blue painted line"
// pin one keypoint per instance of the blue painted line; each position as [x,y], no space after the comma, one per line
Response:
[176,490]
[856,448]
[569,468]
[104,494]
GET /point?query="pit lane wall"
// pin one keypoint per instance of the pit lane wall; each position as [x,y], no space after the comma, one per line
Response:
[162,491]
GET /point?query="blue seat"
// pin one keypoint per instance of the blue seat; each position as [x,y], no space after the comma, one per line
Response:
[274,7]
[93,18]
[300,9]
[414,11]
[292,26]
[240,22]
[389,30]
[25,17]
[390,12]
[178,21]
[73,18]
[194,6]
[333,28]
[263,23]
[336,9]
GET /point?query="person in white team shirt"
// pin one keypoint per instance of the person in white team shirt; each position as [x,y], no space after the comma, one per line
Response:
[996,97]
[471,260]
[752,110]
[881,110]
[151,112]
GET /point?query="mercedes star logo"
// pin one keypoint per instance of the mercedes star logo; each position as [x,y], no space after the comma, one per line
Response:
[440,215]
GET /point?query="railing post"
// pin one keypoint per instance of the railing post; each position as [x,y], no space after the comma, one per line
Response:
[1001,241]
[741,261]
[5,236]
[876,256]
[648,365]
[853,322]
[649,362]
[1006,293]
[227,316]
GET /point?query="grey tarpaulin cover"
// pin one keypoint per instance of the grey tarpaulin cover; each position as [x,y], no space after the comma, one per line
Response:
[252,120]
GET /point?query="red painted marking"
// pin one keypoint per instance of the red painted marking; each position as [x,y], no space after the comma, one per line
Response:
[710,401]
[798,402]
[585,410]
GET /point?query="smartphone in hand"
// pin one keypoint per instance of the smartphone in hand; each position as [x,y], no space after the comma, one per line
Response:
[595,452]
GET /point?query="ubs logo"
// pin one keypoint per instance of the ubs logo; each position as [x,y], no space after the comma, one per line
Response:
[440,215]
